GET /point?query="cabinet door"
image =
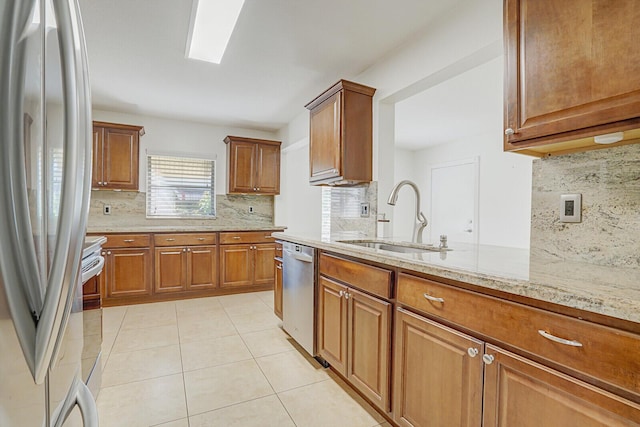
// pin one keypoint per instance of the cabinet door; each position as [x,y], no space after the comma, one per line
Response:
[437,381]
[128,272]
[369,347]
[171,269]
[325,143]
[268,169]
[523,393]
[263,263]
[277,289]
[202,267]
[242,167]
[332,324]
[91,293]
[236,265]
[120,159]
[97,162]
[570,66]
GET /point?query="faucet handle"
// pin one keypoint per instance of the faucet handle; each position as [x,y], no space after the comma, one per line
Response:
[443,241]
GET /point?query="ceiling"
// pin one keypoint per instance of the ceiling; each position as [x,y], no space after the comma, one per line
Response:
[463,106]
[281,55]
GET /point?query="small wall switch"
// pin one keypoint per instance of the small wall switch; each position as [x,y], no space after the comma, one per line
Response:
[364,210]
[571,208]
[251,209]
[106,209]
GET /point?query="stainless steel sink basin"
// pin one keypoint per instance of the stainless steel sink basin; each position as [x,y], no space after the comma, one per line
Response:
[400,247]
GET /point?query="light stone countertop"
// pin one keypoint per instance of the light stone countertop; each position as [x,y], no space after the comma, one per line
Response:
[180,228]
[610,291]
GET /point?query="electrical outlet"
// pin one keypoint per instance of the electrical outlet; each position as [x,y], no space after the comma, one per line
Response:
[251,210]
[571,208]
[364,210]
[106,209]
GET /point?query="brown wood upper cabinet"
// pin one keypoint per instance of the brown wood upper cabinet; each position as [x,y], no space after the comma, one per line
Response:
[341,135]
[116,151]
[253,166]
[571,73]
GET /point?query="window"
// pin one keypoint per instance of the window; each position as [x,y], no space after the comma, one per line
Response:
[180,187]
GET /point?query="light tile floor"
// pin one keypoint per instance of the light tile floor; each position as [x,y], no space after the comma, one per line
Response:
[220,361]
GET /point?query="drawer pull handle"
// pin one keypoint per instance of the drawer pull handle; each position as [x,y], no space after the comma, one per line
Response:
[170,240]
[269,237]
[236,237]
[553,338]
[201,239]
[129,240]
[434,299]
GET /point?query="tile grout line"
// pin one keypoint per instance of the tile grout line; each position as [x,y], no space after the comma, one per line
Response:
[184,383]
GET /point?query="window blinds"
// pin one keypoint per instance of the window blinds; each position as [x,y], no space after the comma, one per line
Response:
[180,187]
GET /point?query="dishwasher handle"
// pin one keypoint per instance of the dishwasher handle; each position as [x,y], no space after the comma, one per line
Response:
[299,256]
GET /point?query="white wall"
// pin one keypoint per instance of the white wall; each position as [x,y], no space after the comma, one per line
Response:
[504,186]
[469,34]
[404,212]
[177,136]
[299,205]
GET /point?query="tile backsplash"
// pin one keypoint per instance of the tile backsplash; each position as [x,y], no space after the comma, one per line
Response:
[609,181]
[129,208]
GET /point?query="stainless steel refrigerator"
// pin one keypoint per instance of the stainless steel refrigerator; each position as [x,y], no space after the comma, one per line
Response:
[45,177]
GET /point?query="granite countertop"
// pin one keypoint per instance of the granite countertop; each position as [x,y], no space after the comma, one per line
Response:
[610,291]
[180,228]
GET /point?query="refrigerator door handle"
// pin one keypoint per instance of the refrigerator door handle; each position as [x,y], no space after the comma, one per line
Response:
[18,264]
[81,396]
[74,200]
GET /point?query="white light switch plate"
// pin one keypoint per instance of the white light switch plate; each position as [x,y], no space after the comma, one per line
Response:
[571,208]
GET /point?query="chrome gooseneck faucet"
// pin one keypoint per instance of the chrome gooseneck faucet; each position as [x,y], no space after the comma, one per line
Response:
[421,220]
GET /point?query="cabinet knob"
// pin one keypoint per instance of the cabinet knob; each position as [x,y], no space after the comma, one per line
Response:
[103,253]
[346,295]
[341,293]
[472,352]
[279,266]
[99,182]
[188,249]
[184,249]
[108,252]
[258,189]
[509,131]
[488,359]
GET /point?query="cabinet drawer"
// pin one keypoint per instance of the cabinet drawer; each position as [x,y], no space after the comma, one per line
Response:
[185,239]
[607,354]
[366,277]
[246,237]
[127,241]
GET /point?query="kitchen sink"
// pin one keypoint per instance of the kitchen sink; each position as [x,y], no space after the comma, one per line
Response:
[400,247]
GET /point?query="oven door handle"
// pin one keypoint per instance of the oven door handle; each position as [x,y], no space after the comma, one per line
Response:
[93,271]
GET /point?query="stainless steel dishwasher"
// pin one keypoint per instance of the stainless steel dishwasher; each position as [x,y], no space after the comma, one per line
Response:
[298,264]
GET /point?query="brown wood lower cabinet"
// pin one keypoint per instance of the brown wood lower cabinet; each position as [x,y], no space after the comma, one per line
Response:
[354,331]
[91,293]
[438,382]
[127,272]
[520,392]
[185,268]
[437,374]
[277,288]
[247,265]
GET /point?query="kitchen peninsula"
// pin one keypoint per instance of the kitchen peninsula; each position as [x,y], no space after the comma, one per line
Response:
[489,327]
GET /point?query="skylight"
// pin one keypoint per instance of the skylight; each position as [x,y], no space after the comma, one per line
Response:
[211,28]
